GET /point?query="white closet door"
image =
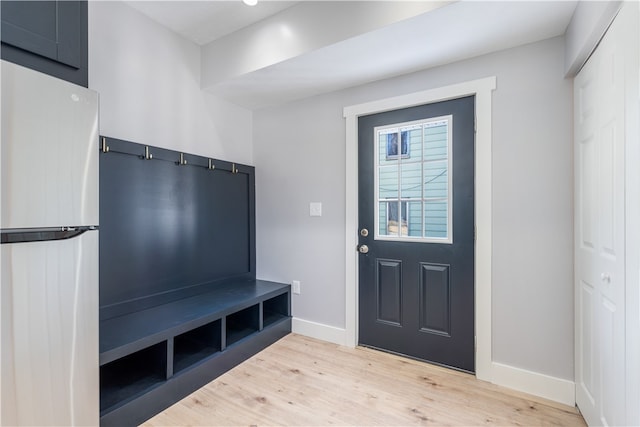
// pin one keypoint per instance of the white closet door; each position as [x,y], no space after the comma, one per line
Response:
[599,162]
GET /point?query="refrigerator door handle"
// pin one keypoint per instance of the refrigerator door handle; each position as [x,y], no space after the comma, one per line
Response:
[45,234]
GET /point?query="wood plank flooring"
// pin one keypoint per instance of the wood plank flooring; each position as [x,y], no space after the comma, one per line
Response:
[299,381]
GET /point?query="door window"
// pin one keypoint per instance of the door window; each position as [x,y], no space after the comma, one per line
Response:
[413,181]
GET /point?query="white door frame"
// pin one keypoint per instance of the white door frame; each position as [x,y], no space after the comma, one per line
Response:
[632,218]
[482,89]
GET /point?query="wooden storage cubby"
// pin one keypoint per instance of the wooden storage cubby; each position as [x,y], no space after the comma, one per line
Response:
[196,345]
[275,309]
[125,378]
[242,324]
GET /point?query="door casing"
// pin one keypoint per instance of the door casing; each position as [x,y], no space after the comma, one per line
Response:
[482,89]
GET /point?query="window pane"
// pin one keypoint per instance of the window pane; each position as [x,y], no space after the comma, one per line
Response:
[388,182]
[394,145]
[435,141]
[436,180]
[397,218]
[413,135]
[411,184]
[382,219]
[435,219]
[415,219]
[385,143]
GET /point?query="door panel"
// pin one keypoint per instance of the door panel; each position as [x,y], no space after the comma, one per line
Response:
[586,338]
[587,189]
[389,291]
[416,289]
[435,302]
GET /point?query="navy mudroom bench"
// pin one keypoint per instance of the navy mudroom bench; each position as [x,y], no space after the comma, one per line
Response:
[179,300]
[149,357]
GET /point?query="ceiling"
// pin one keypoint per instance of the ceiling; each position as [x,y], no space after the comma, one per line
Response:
[450,33]
[205,21]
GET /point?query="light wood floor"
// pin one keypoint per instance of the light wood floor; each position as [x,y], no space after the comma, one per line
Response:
[300,381]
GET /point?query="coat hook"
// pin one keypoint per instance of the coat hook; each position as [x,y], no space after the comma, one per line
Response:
[147,155]
[104,148]
[233,168]
[182,160]
[211,165]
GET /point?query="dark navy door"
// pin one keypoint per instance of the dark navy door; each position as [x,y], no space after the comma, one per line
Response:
[416,218]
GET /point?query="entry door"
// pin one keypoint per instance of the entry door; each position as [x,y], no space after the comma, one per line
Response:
[416,218]
[599,149]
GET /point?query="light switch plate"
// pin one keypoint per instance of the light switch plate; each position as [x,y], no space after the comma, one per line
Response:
[315,209]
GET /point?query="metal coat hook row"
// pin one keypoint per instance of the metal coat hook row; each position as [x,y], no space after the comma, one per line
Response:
[104,147]
[147,155]
[211,165]
[182,160]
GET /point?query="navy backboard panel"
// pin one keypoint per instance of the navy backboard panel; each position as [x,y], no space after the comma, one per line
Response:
[166,227]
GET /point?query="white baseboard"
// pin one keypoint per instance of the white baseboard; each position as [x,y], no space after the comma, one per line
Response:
[319,331]
[545,386]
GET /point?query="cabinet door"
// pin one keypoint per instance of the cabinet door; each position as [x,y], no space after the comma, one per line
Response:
[47,36]
[70,35]
[31,26]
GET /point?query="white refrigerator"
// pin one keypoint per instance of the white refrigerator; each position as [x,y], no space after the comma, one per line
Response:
[49,251]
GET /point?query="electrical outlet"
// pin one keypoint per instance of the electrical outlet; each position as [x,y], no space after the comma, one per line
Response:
[295,287]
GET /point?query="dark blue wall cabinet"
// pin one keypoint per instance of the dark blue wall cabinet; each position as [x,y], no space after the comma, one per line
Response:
[179,299]
[47,36]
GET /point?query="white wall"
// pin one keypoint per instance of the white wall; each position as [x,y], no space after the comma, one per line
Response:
[298,151]
[149,83]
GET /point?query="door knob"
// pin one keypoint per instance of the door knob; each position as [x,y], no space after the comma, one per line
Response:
[363,249]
